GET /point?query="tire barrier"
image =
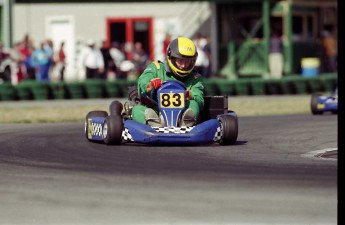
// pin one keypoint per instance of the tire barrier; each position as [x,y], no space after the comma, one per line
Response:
[7,92]
[328,82]
[112,89]
[57,90]
[288,85]
[124,85]
[40,90]
[32,90]
[75,90]
[95,88]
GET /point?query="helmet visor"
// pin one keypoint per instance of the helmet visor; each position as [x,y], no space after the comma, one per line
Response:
[184,64]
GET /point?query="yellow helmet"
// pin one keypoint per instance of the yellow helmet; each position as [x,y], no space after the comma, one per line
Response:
[181,51]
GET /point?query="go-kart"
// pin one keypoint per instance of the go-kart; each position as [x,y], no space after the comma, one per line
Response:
[215,124]
[324,103]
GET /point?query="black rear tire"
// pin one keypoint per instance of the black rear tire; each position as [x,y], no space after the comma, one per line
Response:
[112,130]
[96,113]
[313,104]
[229,129]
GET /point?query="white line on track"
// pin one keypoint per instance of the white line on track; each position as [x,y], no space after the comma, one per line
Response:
[320,154]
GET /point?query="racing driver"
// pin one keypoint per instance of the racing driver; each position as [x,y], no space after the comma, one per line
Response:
[178,65]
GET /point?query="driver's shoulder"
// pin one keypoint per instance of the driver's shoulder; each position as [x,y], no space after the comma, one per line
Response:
[152,67]
[157,64]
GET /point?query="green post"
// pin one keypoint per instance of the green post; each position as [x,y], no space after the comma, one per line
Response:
[266,29]
[232,57]
[229,70]
[287,37]
[6,23]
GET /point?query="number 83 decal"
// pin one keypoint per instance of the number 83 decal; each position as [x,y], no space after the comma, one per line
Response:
[171,100]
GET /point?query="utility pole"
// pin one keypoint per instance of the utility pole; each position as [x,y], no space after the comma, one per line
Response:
[6,22]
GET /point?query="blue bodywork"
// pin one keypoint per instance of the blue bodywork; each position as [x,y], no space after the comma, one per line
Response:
[327,103]
[203,133]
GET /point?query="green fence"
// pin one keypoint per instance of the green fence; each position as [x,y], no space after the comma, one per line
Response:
[288,85]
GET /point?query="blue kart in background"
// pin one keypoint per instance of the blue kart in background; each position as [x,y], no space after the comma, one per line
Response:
[216,124]
[320,104]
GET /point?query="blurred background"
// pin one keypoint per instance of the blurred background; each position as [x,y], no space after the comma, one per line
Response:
[255,42]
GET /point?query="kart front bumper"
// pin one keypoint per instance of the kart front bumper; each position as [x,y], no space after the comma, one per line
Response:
[204,133]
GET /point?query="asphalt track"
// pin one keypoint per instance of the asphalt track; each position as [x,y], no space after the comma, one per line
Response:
[50,174]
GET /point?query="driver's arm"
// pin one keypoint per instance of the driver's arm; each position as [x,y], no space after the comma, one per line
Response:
[144,79]
[197,90]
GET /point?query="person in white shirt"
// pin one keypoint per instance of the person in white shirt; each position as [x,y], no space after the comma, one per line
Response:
[91,60]
[202,62]
[119,57]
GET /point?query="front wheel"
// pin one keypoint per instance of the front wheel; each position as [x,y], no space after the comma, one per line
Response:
[112,130]
[313,104]
[229,129]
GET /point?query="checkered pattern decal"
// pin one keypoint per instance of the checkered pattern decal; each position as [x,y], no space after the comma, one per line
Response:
[176,130]
[126,136]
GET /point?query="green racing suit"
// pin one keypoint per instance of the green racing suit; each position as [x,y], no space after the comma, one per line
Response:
[193,82]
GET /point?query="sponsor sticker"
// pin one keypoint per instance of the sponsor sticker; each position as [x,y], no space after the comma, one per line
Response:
[95,129]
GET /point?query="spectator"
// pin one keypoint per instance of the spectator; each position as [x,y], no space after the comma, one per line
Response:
[140,58]
[118,55]
[6,61]
[127,70]
[91,60]
[62,60]
[19,58]
[40,61]
[202,61]
[200,40]
[49,49]
[60,63]
[107,60]
[27,48]
[330,47]
[276,61]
